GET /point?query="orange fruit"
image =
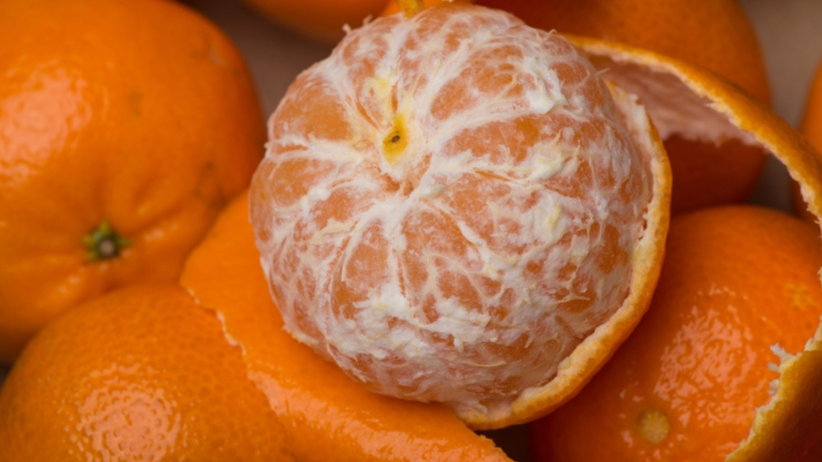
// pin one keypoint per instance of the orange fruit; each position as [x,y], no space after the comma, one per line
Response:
[739,289]
[811,127]
[125,127]
[321,20]
[325,415]
[787,426]
[452,204]
[707,98]
[143,373]
[717,35]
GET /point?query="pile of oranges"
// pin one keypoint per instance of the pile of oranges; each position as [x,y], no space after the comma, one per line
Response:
[507,214]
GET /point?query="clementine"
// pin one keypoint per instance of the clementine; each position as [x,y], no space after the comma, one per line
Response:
[321,20]
[716,35]
[125,126]
[142,373]
[452,204]
[787,426]
[739,289]
[811,127]
[325,415]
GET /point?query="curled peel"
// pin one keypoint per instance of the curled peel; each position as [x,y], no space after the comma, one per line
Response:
[788,426]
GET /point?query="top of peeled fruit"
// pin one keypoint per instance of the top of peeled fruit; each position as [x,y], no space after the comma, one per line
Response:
[455,207]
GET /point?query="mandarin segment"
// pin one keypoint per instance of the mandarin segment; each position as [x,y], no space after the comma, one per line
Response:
[739,286]
[139,374]
[326,415]
[497,230]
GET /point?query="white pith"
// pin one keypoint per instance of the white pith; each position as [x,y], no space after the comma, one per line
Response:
[386,339]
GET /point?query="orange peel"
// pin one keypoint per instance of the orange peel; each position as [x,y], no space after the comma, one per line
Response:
[787,427]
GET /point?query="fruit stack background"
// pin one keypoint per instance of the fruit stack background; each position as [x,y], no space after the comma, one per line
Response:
[788,32]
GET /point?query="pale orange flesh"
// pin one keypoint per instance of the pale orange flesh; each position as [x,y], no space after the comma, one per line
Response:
[452,203]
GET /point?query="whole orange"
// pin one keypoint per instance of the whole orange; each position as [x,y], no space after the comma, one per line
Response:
[739,290]
[142,373]
[320,20]
[716,35]
[125,126]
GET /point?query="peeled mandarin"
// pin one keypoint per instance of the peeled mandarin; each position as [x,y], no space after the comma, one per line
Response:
[452,203]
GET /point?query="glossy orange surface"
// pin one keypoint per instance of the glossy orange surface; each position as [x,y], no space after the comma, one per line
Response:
[736,281]
[326,415]
[141,374]
[136,115]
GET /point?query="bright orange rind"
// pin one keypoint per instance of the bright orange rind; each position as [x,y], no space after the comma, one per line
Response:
[785,428]
[124,128]
[739,289]
[139,374]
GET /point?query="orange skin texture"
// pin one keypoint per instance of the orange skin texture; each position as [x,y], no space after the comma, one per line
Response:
[320,20]
[716,35]
[736,280]
[326,415]
[138,113]
[143,373]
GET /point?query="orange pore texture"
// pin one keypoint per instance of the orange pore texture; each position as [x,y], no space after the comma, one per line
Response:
[716,35]
[736,281]
[449,205]
[320,20]
[140,374]
[137,113]
[325,415]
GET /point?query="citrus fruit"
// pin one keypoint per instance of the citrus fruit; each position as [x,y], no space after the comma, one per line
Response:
[321,20]
[739,288]
[786,427]
[811,127]
[125,126]
[325,415]
[453,205]
[716,35]
[142,373]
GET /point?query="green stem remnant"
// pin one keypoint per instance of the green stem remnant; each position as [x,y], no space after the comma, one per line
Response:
[104,243]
